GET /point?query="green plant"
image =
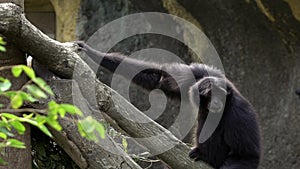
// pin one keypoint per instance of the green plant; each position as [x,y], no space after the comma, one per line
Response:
[2,48]
[35,89]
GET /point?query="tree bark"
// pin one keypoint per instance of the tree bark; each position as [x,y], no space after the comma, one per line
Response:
[62,60]
[86,154]
[15,158]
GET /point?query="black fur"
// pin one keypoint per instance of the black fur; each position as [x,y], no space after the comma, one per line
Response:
[235,144]
[298,92]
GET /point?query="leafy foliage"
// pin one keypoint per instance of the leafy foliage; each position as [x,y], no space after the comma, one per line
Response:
[2,48]
[35,89]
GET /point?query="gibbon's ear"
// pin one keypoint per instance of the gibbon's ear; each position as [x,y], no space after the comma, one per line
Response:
[228,89]
[226,86]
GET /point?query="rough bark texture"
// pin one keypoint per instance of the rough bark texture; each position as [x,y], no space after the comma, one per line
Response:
[62,60]
[15,158]
[86,154]
[70,58]
[258,42]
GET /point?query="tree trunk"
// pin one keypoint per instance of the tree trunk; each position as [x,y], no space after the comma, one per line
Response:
[62,60]
[15,158]
[78,148]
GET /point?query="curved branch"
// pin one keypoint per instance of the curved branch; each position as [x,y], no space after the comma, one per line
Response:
[62,60]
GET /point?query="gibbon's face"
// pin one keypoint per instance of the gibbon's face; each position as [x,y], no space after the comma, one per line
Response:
[216,103]
[209,93]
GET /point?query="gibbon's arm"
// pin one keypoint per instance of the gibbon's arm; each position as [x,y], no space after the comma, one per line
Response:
[151,75]
[146,74]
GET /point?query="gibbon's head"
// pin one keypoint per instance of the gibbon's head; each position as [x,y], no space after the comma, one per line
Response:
[209,94]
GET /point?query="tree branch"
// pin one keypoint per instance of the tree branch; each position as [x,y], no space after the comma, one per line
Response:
[62,60]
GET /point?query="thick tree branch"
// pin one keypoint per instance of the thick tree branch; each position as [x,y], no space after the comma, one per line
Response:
[95,155]
[69,139]
[63,61]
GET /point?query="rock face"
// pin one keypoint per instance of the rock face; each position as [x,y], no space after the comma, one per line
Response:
[262,58]
[66,12]
[94,14]
[258,42]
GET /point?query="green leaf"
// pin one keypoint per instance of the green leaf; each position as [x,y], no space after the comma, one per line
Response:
[40,119]
[9,116]
[15,143]
[52,116]
[80,129]
[62,112]
[30,121]
[52,103]
[45,130]
[27,97]
[28,116]
[18,126]
[54,124]
[3,135]
[10,94]
[83,133]
[17,70]
[71,109]
[16,102]
[87,127]
[2,42]
[100,129]
[29,72]
[2,162]
[87,130]
[88,124]
[43,85]
[2,49]
[4,120]
[53,107]
[125,144]
[42,127]
[5,85]
[36,91]
[5,131]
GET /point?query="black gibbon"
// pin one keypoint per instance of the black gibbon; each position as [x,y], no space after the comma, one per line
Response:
[235,144]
